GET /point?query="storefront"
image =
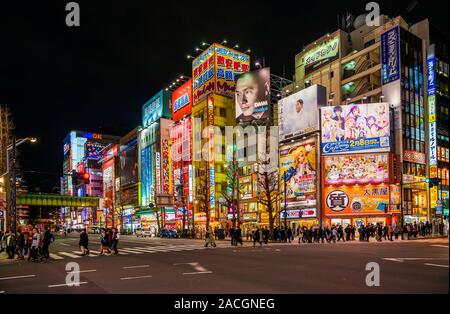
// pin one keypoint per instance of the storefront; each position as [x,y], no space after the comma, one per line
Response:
[130,220]
[300,218]
[148,220]
[415,199]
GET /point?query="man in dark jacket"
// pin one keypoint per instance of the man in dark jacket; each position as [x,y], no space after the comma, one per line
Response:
[238,236]
[233,235]
[115,240]
[20,244]
[84,241]
[48,238]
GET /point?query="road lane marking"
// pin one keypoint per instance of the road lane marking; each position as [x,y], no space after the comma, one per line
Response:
[2,292]
[436,265]
[68,284]
[83,271]
[17,277]
[65,244]
[140,266]
[131,251]
[443,246]
[54,256]
[198,273]
[140,277]
[402,259]
[69,254]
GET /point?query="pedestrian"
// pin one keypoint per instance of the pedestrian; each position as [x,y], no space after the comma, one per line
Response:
[34,246]
[232,235]
[300,234]
[334,234]
[238,236]
[209,237]
[340,234]
[266,234]
[47,240]
[115,240]
[289,234]
[20,244]
[104,240]
[11,245]
[282,235]
[256,236]
[321,234]
[84,242]
[3,241]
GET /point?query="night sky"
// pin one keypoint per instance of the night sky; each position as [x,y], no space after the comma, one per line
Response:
[96,77]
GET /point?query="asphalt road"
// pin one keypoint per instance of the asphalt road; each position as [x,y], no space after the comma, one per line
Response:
[186,267]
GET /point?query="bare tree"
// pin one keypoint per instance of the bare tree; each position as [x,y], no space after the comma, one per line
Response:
[230,196]
[202,191]
[268,186]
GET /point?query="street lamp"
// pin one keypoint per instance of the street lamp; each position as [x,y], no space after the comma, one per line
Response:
[13,147]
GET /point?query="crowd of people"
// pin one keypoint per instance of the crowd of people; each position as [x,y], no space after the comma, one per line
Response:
[34,245]
[109,240]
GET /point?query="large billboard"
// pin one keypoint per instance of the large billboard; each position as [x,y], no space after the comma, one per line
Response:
[322,54]
[129,163]
[353,128]
[215,70]
[354,200]
[252,96]
[182,101]
[432,125]
[298,113]
[300,161]
[356,169]
[390,55]
[157,107]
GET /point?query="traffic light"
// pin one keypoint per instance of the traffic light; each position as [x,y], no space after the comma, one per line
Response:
[86,178]
[77,176]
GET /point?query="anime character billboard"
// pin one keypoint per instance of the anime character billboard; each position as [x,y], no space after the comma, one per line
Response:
[352,128]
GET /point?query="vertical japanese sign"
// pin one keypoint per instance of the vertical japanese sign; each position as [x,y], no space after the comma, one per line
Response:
[212,193]
[432,136]
[215,70]
[158,172]
[390,54]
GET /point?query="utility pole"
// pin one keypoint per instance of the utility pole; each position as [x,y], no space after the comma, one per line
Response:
[14,187]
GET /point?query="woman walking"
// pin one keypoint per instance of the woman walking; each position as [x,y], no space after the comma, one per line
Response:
[84,241]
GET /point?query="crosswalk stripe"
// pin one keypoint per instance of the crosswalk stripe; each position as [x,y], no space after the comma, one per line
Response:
[127,250]
[54,256]
[144,250]
[69,254]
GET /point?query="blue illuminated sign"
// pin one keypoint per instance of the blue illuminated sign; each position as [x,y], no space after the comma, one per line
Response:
[390,53]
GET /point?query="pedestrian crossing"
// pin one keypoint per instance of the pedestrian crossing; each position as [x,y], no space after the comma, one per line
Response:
[138,250]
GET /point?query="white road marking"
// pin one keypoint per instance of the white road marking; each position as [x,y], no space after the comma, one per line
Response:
[74,284]
[2,292]
[198,273]
[402,259]
[131,251]
[443,246]
[131,278]
[83,271]
[64,244]
[54,256]
[140,266]
[69,254]
[436,265]
[17,277]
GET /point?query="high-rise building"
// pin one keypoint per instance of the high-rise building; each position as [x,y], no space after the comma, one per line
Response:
[213,74]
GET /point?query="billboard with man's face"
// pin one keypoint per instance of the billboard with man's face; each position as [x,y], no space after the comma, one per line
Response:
[252,96]
[352,128]
[298,113]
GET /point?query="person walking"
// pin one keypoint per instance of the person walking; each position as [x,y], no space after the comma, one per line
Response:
[238,236]
[115,240]
[334,234]
[210,237]
[3,241]
[20,244]
[47,240]
[84,242]
[232,235]
[104,240]
[340,234]
[11,245]
[266,234]
[35,242]
[256,237]
[289,234]
[321,234]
